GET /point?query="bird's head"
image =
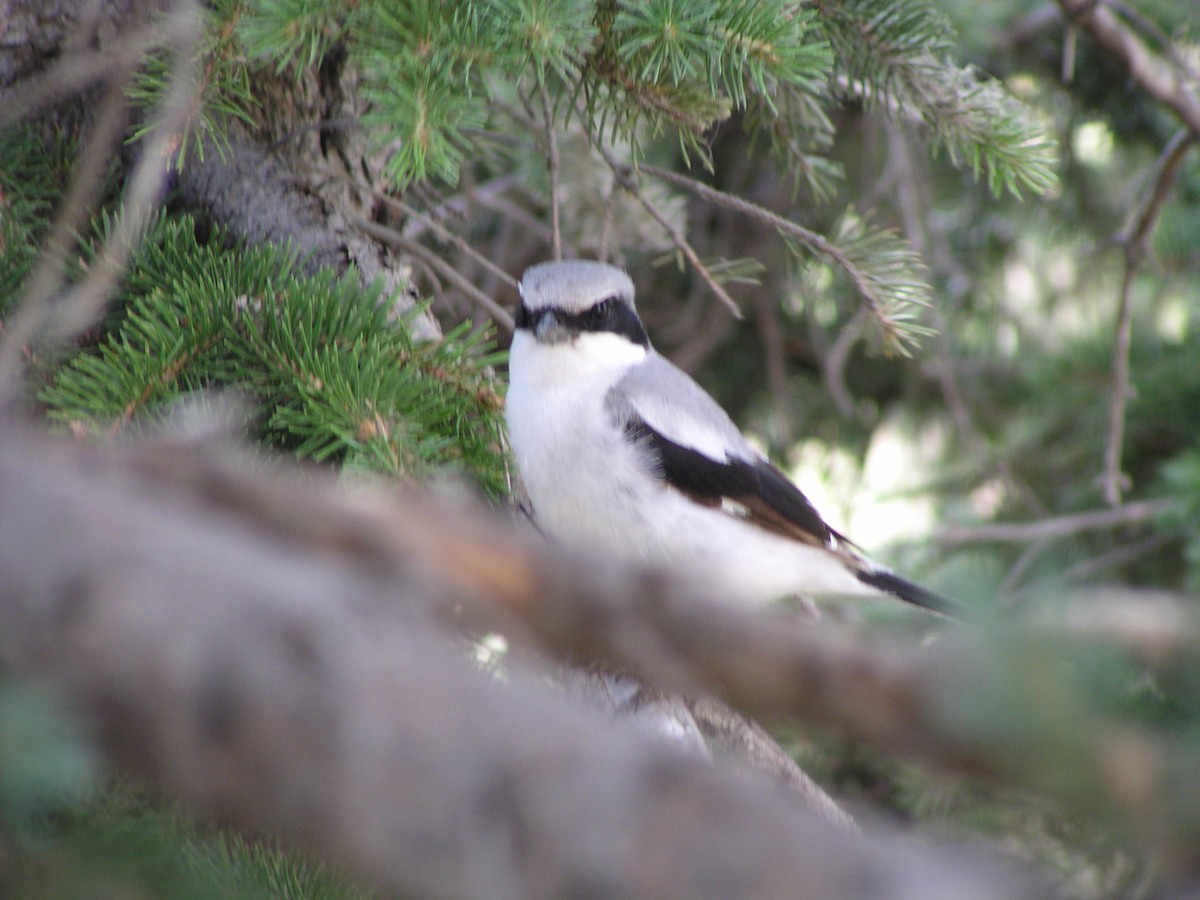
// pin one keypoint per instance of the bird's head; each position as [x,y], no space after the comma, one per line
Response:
[583,303]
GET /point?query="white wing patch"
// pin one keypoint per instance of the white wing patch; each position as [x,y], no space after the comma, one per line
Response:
[671,403]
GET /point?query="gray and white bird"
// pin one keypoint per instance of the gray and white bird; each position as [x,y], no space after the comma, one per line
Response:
[623,453]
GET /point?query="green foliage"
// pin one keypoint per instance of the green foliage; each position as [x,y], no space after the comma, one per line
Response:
[135,847]
[294,34]
[1181,482]
[334,375]
[728,46]
[32,176]
[432,69]
[223,92]
[444,80]
[894,55]
[44,764]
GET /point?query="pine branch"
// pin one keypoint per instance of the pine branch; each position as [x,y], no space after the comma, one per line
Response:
[335,376]
[882,266]
[222,94]
[893,56]
[293,34]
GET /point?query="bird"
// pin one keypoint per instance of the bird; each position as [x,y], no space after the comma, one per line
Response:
[622,453]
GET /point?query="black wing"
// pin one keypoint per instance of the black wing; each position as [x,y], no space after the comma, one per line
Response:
[771,501]
[767,497]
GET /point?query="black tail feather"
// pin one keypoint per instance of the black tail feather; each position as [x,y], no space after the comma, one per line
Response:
[910,592]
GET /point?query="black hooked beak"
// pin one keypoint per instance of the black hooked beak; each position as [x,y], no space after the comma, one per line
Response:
[544,324]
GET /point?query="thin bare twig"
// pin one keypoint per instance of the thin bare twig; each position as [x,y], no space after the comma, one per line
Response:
[1070,47]
[445,234]
[910,200]
[815,242]
[1028,556]
[87,180]
[505,207]
[391,236]
[913,213]
[1056,527]
[1118,556]
[1136,242]
[771,337]
[1149,27]
[552,153]
[458,205]
[627,180]
[606,225]
[1027,28]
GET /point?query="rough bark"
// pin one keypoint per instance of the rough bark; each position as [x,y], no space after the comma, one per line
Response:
[35,33]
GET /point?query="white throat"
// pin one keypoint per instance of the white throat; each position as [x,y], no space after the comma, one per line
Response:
[534,364]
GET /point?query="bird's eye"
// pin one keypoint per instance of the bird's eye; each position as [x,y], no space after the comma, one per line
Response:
[600,311]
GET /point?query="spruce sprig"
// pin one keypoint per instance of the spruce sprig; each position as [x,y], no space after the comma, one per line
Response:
[334,375]
[224,92]
[885,273]
[33,173]
[894,55]
[293,34]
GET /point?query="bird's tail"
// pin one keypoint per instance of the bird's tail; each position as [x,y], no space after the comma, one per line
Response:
[910,592]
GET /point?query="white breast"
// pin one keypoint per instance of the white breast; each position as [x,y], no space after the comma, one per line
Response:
[572,460]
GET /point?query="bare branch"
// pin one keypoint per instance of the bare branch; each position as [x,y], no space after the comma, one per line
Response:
[735,735]
[445,234]
[87,180]
[498,313]
[552,153]
[81,69]
[1057,527]
[1136,242]
[771,338]
[1163,81]
[908,179]
[834,364]
[814,241]
[627,180]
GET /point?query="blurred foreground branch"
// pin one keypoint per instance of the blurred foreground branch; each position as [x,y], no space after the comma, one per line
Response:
[260,648]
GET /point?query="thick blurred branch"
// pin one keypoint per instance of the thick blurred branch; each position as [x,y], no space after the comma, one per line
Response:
[259,648]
